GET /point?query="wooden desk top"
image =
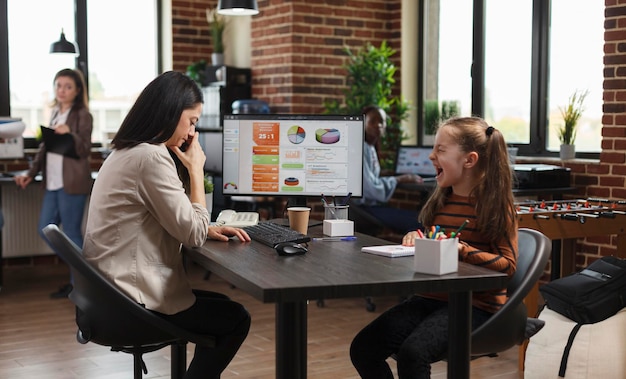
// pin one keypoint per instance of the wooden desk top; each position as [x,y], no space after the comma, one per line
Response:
[330,270]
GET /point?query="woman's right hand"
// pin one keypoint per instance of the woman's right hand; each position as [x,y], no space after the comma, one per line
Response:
[193,157]
[22,180]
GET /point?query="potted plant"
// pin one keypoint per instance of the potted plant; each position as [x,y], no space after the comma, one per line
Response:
[370,82]
[434,114]
[217,23]
[197,72]
[208,192]
[567,132]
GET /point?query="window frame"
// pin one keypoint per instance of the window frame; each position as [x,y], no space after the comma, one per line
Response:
[82,61]
[539,88]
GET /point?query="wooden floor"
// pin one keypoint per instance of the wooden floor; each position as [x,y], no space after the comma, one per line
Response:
[37,336]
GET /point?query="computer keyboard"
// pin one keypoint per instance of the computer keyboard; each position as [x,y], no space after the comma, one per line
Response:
[271,234]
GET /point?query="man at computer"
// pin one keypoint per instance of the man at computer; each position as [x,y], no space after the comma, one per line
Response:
[377,190]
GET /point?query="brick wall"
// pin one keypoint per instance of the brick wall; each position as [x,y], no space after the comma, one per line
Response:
[297,47]
[191,37]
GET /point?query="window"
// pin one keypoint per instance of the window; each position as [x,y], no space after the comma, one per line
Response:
[577,63]
[122,57]
[447,62]
[515,62]
[507,62]
[31,66]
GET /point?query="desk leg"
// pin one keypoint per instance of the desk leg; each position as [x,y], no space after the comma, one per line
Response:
[460,337]
[291,340]
[568,256]
[555,258]
[620,242]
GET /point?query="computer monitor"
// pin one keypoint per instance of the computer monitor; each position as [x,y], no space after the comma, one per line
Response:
[414,160]
[211,142]
[293,155]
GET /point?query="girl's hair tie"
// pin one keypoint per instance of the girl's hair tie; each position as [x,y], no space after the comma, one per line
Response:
[489,131]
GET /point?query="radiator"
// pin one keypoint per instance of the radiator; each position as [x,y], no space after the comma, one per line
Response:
[21,215]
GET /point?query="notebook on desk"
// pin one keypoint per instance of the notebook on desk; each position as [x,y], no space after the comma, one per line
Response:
[414,160]
[391,251]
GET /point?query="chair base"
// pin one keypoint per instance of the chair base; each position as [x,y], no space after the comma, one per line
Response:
[178,352]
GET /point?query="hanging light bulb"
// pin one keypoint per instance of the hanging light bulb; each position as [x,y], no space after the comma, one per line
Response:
[237,7]
[63,46]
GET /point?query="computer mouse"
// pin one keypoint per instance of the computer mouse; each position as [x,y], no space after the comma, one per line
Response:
[290,248]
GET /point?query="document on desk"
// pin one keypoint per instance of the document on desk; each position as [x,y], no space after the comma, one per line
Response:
[58,143]
[391,251]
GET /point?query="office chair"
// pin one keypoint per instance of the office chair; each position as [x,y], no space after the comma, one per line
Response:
[364,222]
[107,316]
[511,325]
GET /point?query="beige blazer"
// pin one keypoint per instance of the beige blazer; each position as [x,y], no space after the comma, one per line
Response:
[138,217]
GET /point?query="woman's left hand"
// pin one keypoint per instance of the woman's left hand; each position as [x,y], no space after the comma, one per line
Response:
[223,233]
[62,129]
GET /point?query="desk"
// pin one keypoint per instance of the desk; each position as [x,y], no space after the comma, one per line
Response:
[339,270]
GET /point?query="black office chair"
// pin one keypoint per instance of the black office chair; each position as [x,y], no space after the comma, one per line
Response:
[511,325]
[365,222]
[107,316]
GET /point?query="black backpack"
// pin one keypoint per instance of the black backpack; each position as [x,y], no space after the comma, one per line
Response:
[589,296]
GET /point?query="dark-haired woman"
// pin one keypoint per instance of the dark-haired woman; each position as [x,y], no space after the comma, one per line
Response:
[67,180]
[140,213]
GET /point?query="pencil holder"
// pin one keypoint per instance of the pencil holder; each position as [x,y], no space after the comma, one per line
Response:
[436,257]
[335,212]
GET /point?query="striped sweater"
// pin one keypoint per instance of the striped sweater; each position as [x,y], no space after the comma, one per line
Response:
[477,250]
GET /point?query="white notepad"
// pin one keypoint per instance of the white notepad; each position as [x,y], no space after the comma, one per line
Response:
[391,251]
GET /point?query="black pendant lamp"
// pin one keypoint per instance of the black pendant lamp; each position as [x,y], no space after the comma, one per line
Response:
[63,46]
[237,7]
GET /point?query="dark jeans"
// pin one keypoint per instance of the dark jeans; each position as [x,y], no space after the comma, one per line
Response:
[213,314]
[416,331]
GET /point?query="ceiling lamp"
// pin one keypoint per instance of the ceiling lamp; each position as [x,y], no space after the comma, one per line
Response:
[237,7]
[63,46]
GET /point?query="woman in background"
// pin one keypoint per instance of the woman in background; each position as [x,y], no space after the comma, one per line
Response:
[140,214]
[473,183]
[66,179]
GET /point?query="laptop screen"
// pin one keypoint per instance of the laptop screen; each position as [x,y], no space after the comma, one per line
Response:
[414,160]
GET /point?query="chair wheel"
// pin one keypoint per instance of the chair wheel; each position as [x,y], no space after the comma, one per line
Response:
[369,304]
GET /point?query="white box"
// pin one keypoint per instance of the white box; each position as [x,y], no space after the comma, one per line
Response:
[12,148]
[436,257]
[338,228]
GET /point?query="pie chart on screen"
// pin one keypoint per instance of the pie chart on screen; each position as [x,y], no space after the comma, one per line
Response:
[296,134]
[327,136]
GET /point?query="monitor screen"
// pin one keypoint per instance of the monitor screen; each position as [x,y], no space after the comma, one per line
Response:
[293,155]
[414,160]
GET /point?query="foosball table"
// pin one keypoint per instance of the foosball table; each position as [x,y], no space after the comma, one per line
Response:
[563,221]
[567,220]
